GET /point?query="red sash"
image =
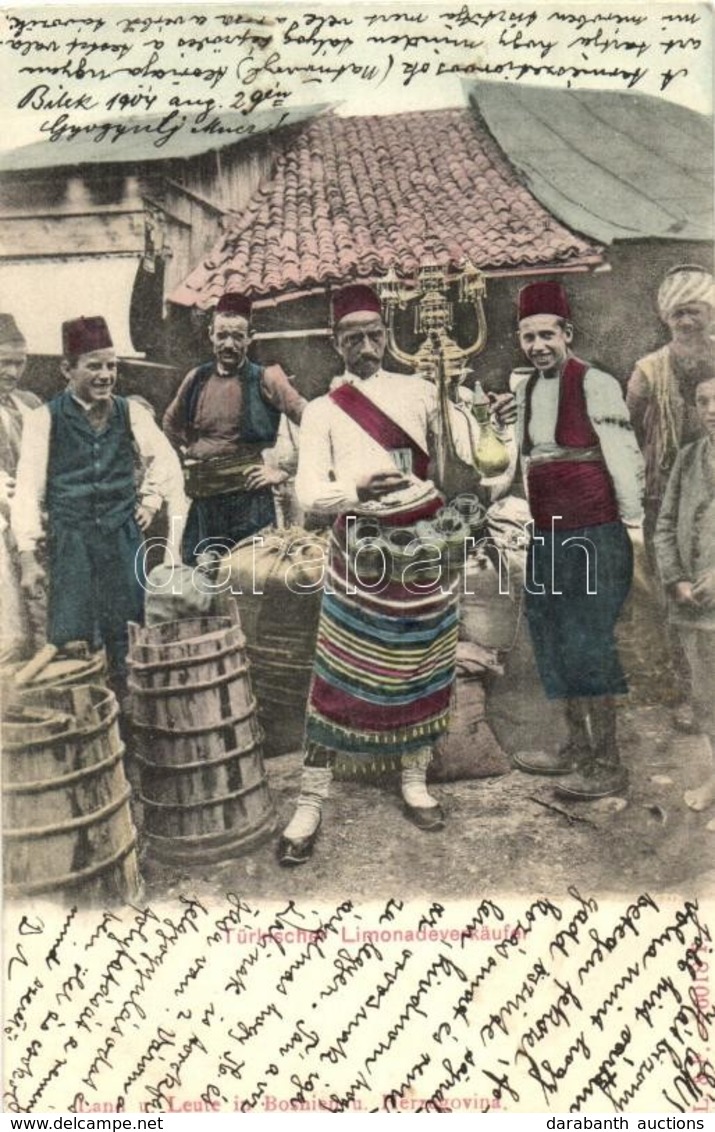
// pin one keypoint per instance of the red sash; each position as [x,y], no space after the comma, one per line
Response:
[379,426]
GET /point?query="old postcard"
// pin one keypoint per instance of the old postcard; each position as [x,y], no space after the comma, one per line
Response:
[357,411]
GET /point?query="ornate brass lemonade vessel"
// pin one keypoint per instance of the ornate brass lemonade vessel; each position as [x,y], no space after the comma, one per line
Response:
[440,359]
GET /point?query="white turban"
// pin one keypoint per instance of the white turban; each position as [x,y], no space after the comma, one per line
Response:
[687,283]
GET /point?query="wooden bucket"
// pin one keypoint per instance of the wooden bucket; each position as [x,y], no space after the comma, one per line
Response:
[90,668]
[79,667]
[67,824]
[198,742]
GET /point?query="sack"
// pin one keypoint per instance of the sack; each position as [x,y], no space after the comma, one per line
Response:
[469,749]
[173,593]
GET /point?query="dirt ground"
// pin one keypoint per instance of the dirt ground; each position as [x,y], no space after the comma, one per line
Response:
[502,835]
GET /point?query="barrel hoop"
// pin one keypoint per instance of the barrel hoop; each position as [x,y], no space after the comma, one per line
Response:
[225,837]
[202,764]
[184,662]
[87,674]
[182,689]
[218,623]
[72,878]
[203,803]
[219,726]
[39,785]
[30,736]
[92,818]
[228,629]
[70,736]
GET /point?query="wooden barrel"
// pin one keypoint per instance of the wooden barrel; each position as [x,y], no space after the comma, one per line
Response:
[67,825]
[197,738]
[278,592]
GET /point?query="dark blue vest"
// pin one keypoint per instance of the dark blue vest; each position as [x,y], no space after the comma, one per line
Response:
[90,475]
[259,420]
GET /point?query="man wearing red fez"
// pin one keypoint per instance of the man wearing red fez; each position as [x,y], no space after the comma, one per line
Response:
[15,406]
[79,462]
[225,412]
[385,656]
[584,477]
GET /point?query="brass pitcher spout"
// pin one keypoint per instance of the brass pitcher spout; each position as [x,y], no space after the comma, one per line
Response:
[490,453]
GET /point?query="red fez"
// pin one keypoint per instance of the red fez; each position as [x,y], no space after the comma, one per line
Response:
[233,303]
[543,298]
[353,298]
[84,336]
[9,331]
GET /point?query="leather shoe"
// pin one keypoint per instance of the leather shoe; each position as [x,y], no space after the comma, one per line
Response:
[296,852]
[547,762]
[425,817]
[591,783]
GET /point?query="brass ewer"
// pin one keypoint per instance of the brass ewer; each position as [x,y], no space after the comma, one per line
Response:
[441,360]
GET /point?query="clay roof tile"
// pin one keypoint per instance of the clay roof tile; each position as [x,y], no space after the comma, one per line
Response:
[349,197]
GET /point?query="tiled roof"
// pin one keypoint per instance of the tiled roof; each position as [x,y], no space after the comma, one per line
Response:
[351,197]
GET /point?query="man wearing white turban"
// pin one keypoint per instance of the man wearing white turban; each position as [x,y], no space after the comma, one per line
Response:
[659,389]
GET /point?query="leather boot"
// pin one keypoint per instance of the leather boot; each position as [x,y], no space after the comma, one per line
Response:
[601,773]
[569,756]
